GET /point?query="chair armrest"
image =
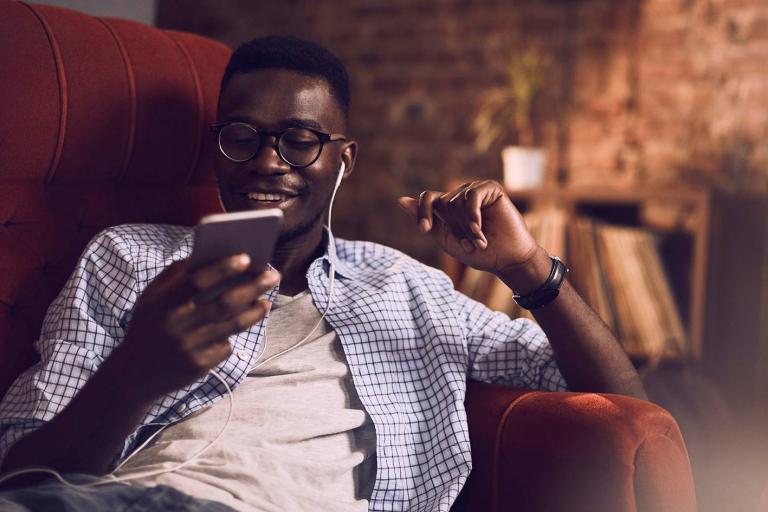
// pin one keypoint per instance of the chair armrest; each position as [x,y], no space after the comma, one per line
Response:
[535,451]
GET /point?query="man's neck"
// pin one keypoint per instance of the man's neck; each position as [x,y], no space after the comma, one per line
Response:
[293,257]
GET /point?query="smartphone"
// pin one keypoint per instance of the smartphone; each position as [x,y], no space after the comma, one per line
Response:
[226,234]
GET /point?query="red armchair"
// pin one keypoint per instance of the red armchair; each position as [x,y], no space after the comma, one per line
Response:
[103,123]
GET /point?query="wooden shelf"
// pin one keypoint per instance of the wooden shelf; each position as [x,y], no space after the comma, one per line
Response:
[611,195]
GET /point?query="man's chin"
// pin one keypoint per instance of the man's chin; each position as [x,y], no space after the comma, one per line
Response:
[291,232]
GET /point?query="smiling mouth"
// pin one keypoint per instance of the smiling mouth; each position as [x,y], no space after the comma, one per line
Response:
[268,197]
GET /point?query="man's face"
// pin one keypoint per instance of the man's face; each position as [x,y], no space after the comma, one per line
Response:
[273,100]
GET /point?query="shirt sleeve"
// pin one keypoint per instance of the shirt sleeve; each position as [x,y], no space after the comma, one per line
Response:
[508,351]
[80,329]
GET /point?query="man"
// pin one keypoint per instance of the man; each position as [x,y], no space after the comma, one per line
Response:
[358,408]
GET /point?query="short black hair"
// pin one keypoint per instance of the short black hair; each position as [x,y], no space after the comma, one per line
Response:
[291,53]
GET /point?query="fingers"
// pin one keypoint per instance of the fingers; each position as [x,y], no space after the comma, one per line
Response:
[409,205]
[208,276]
[208,334]
[460,211]
[204,347]
[226,305]
[450,208]
[472,208]
[426,210]
[420,209]
[464,207]
[193,283]
[473,201]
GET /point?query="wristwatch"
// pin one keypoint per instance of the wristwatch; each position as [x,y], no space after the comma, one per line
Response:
[548,291]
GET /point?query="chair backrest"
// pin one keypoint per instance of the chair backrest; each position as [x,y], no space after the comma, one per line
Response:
[103,122]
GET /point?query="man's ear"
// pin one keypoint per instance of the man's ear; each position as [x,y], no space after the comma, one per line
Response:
[348,156]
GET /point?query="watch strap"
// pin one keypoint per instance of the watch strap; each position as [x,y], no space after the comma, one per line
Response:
[548,291]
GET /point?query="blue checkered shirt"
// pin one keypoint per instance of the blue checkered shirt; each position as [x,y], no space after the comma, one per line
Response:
[410,339]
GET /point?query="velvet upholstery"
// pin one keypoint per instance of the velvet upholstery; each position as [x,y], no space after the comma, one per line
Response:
[548,452]
[104,123]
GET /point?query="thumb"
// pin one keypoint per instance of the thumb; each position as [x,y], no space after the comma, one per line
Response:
[409,205]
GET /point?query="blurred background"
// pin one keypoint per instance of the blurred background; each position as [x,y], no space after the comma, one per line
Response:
[648,115]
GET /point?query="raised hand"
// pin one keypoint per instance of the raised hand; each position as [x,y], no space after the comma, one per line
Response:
[477,224]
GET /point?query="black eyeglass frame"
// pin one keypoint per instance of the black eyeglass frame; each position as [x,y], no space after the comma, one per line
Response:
[323,137]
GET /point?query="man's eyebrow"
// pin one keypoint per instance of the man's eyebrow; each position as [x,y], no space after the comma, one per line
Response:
[292,122]
[298,122]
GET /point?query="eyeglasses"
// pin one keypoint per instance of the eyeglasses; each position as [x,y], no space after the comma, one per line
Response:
[298,147]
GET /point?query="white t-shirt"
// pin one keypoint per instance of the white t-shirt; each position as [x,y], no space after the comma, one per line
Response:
[299,438]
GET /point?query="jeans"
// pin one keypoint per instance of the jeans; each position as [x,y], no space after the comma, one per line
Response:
[53,496]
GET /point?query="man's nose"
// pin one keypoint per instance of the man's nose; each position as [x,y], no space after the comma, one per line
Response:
[267,159]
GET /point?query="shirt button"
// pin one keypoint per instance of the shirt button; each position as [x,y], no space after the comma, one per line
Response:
[242,355]
[182,407]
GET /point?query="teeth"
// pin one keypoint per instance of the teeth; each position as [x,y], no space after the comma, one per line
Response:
[258,196]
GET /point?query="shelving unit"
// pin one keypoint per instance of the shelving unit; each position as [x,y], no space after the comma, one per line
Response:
[679,216]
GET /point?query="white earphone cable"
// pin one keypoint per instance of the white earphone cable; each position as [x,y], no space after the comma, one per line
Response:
[196,455]
[331,274]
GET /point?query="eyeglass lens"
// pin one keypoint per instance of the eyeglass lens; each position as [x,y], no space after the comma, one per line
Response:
[296,146]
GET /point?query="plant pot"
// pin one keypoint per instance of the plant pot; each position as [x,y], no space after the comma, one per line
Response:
[523,167]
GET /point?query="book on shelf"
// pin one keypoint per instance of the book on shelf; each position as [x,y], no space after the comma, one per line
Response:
[646,316]
[588,276]
[670,322]
[616,269]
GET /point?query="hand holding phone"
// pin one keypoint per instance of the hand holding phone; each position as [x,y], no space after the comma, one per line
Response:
[177,332]
[221,235]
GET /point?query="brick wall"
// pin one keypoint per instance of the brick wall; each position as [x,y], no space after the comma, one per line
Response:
[641,90]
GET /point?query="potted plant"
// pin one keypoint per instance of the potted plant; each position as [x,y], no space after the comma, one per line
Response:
[506,116]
